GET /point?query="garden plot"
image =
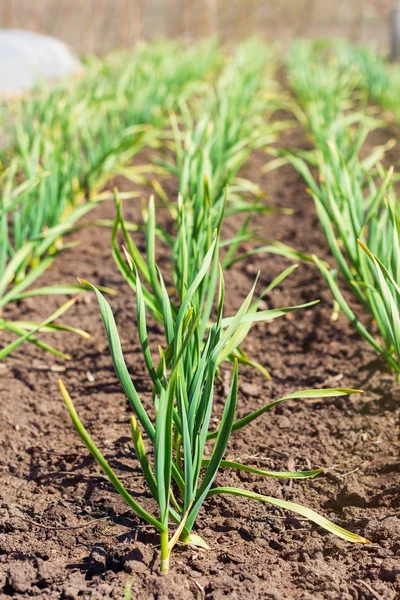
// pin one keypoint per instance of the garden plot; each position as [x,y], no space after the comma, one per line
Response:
[67,533]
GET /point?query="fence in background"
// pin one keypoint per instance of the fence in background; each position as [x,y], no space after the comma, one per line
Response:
[101,25]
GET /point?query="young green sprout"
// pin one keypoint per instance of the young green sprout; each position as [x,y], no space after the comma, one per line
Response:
[177,426]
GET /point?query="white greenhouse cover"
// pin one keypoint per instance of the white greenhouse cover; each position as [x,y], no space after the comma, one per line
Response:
[27,58]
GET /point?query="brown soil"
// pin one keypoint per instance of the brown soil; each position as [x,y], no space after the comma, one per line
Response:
[66,534]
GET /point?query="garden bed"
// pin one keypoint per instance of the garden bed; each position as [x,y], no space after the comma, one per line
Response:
[66,534]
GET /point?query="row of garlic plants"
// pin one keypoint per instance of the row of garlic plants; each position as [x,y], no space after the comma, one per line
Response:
[354,195]
[63,145]
[179,450]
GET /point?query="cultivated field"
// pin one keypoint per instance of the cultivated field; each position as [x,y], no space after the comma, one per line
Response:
[211,409]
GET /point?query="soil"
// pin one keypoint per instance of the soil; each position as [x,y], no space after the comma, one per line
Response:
[65,534]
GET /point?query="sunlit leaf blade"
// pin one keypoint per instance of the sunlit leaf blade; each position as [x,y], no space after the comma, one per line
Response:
[95,452]
[143,459]
[31,325]
[30,338]
[221,443]
[28,334]
[228,464]
[266,315]
[303,394]
[308,513]
[195,540]
[119,362]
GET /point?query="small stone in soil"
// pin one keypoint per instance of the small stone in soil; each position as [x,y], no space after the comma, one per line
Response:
[98,561]
[249,389]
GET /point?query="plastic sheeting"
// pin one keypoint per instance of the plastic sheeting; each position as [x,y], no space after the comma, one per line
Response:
[27,58]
